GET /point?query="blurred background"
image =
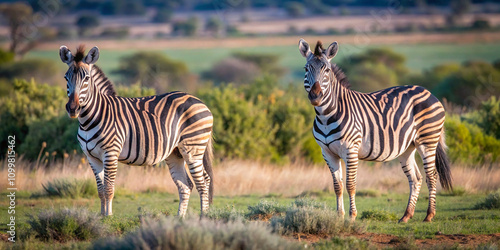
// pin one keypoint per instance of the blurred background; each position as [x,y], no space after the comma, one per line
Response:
[241,58]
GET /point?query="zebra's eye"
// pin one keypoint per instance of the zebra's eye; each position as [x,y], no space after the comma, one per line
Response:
[86,79]
[306,69]
[327,70]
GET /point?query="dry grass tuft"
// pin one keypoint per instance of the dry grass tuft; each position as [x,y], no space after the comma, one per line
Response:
[236,177]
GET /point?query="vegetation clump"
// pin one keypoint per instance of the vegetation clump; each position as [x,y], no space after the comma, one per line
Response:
[175,233]
[309,217]
[74,188]
[492,201]
[265,210]
[66,225]
[379,215]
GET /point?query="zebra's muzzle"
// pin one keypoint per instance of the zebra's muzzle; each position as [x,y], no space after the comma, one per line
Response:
[315,94]
[73,107]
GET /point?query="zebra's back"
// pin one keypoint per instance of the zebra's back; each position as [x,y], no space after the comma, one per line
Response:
[151,127]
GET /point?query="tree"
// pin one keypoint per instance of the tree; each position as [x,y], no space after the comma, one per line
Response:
[186,28]
[214,25]
[295,9]
[156,71]
[163,15]
[86,22]
[458,9]
[19,17]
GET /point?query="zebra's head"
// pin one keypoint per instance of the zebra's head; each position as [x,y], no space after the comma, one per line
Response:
[318,69]
[78,76]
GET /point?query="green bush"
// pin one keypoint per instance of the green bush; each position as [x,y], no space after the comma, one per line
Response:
[487,117]
[175,233]
[475,82]
[28,104]
[306,202]
[310,220]
[67,225]
[42,70]
[492,201]
[73,188]
[225,214]
[468,144]
[265,209]
[379,215]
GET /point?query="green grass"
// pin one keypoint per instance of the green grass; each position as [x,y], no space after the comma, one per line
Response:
[419,56]
[455,214]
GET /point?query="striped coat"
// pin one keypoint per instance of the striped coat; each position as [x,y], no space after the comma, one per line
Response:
[379,126]
[175,127]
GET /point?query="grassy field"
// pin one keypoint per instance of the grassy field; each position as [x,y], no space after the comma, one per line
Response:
[419,56]
[382,190]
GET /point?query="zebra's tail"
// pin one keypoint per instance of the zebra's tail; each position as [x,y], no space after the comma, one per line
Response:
[443,164]
[207,163]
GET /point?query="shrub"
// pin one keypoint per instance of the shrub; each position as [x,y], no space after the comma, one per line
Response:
[42,70]
[225,214]
[71,188]
[186,28]
[468,144]
[311,220]
[492,201]
[174,233]
[379,215]
[67,225]
[28,103]
[233,70]
[306,202]
[265,209]
[475,82]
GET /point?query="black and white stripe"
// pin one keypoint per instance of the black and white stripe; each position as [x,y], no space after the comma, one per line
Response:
[175,127]
[379,126]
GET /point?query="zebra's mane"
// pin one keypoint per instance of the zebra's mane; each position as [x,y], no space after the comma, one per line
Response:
[104,84]
[340,75]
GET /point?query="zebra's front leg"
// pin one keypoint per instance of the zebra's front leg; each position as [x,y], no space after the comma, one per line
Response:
[352,171]
[98,169]
[335,167]
[110,166]
[184,186]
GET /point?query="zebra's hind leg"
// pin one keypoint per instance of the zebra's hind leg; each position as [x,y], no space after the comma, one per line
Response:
[193,155]
[335,167]
[410,168]
[184,185]
[428,154]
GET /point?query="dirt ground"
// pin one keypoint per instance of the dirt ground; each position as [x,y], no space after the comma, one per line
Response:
[388,241]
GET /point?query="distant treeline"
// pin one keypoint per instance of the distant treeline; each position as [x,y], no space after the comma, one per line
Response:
[132,7]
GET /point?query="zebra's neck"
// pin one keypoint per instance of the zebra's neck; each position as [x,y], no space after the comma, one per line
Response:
[100,88]
[330,104]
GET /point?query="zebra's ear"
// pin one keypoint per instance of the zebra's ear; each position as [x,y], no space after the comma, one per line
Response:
[304,48]
[332,50]
[65,54]
[92,56]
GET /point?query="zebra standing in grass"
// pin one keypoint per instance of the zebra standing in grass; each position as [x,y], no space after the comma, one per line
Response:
[379,126]
[175,127]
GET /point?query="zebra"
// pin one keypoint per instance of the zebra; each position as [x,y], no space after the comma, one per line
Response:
[379,126]
[175,127]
